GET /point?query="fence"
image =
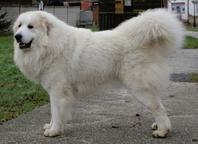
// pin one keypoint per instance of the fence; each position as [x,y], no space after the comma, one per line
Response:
[111,20]
[108,13]
[69,15]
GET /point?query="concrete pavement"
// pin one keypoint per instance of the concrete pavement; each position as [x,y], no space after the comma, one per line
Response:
[184,61]
[111,116]
[192,33]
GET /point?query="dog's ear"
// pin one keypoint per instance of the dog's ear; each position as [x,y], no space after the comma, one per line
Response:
[46,24]
[47,27]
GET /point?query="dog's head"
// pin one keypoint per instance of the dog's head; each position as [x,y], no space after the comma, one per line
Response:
[31,28]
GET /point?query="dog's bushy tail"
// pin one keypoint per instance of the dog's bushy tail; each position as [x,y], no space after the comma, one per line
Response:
[154,29]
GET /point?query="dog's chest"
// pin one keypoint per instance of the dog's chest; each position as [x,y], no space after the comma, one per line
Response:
[28,65]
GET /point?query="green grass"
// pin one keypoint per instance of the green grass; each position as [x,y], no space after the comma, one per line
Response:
[193,77]
[191,43]
[92,28]
[17,94]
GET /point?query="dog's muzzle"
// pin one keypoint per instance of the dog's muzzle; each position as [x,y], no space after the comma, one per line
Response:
[22,45]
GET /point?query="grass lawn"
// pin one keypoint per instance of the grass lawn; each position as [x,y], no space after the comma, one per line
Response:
[17,94]
[193,77]
[191,43]
[92,28]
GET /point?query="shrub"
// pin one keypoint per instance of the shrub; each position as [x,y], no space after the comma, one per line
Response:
[4,23]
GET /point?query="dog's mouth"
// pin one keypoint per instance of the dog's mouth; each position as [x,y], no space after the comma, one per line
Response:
[25,45]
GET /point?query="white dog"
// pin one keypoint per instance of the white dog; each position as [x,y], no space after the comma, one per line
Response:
[67,61]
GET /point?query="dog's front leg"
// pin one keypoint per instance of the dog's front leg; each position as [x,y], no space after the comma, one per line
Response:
[60,109]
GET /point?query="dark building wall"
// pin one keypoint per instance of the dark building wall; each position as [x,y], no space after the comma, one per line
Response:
[108,18]
[15,1]
[109,5]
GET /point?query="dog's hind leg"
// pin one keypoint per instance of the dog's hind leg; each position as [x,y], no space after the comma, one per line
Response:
[146,87]
[162,123]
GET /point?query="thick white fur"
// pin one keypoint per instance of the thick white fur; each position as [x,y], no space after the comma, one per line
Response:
[66,60]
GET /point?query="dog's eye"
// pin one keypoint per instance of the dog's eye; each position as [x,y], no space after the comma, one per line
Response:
[19,25]
[30,26]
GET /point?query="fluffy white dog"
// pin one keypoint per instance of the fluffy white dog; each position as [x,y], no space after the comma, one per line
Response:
[67,61]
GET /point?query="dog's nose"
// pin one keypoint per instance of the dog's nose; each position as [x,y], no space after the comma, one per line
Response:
[18,37]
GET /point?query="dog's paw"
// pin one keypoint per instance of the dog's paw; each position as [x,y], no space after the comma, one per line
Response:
[46,126]
[160,133]
[154,126]
[52,133]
